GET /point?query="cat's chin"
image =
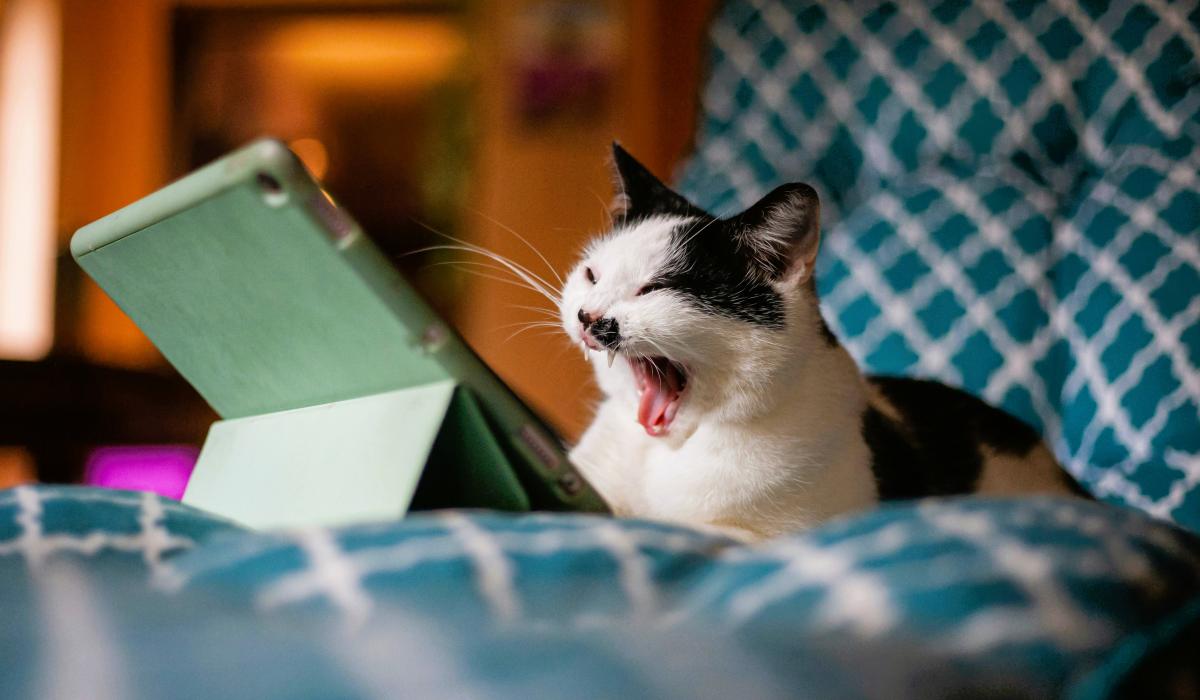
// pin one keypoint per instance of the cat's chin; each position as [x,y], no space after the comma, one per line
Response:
[661,386]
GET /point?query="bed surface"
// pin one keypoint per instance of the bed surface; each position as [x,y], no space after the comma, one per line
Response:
[123,594]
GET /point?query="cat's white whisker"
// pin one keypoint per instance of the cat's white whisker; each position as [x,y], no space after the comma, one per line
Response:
[533,282]
[464,265]
[691,236]
[519,331]
[604,206]
[514,267]
[538,309]
[531,324]
[517,268]
[525,241]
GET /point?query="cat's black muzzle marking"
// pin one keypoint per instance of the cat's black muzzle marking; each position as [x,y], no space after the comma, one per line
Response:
[606,332]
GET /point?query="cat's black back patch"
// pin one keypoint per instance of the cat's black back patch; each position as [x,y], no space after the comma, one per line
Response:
[717,277]
[1074,486]
[935,449]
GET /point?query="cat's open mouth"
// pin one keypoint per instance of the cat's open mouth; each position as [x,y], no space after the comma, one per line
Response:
[660,383]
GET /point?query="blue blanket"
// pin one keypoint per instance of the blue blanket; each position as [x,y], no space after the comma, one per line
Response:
[116,594]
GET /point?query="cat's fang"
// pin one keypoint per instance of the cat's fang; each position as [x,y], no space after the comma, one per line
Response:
[612,355]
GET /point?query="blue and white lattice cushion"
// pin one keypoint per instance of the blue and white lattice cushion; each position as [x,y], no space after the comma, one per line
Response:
[1013,205]
[111,594]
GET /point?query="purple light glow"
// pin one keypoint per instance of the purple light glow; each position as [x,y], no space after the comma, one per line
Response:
[161,469]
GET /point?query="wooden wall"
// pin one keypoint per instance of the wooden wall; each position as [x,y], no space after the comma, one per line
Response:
[553,186]
[113,150]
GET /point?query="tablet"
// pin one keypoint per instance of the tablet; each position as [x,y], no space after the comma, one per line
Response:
[266,297]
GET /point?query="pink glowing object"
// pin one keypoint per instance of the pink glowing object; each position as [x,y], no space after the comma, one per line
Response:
[161,469]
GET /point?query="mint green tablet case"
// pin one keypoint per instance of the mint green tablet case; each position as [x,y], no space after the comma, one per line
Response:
[344,397]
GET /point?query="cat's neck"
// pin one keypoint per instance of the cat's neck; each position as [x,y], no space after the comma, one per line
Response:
[798,373]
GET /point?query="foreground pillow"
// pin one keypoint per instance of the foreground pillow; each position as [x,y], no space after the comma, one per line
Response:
[114,594]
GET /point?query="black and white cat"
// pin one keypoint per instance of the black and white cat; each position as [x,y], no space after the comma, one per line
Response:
[730,405]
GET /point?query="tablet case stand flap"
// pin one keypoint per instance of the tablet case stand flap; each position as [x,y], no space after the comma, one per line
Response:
[467,468]
[358,460]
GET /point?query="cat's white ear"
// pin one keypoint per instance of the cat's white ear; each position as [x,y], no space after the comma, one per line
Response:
[782,232]
[638,193]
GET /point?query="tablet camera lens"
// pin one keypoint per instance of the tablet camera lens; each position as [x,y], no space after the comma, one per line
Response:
[272,191]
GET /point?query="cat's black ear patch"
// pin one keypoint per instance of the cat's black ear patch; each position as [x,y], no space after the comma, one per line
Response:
[639,194]
[782,232]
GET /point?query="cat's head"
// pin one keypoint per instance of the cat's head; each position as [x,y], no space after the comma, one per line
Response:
[685,314]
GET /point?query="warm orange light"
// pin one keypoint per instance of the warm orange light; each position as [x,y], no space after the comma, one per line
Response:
[16,467]
[370,50]
[29,99]
[313,154]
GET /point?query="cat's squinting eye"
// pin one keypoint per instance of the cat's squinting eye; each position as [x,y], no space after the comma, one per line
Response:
[647,288]
[591,277]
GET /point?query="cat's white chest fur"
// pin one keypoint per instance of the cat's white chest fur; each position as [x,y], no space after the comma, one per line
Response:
[794,464]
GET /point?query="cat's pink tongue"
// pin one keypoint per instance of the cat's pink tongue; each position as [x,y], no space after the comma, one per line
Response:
[659,402]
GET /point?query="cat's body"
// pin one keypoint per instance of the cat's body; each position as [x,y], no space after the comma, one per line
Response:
[728,402]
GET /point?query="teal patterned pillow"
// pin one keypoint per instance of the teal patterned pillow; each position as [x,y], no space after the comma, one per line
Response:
[1012,205]
[945,275]
[1127,284]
